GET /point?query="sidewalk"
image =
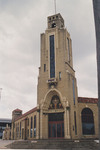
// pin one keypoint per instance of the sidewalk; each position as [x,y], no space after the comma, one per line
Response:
[3,143]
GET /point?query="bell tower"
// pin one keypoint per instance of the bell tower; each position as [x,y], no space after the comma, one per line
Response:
[55,21]
[57,87]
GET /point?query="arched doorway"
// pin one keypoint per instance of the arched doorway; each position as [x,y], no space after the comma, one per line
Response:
[87,122]
[55,120]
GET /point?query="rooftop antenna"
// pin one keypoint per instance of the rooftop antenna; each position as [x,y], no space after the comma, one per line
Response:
[55,5]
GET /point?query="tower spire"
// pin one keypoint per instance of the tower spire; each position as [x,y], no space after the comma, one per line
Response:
[55,5]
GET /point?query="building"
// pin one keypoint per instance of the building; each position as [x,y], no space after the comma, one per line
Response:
[3,124]
[96,7]
[60,113]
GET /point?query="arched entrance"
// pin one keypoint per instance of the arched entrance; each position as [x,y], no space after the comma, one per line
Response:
[55,120]
[87,122]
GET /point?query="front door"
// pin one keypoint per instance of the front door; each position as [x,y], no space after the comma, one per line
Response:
[56,125]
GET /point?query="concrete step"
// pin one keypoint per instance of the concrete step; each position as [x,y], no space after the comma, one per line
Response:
[55,144]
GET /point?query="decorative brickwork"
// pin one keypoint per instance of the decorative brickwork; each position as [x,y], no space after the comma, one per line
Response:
[87,100]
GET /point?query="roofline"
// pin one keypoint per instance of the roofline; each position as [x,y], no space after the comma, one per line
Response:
[5,119]
[88,97]
[27,113]
[87,100]
[19,110]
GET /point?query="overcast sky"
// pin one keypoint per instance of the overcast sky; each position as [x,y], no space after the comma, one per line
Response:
[21,23]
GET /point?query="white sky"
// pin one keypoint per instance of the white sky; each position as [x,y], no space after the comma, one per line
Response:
[21,23]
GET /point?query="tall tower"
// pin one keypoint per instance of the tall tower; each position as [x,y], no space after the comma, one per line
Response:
[96,7]
[57,90]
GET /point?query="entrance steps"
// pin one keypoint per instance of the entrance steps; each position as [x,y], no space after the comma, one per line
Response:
[55,144]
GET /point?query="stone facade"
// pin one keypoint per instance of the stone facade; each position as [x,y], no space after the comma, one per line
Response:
[59,112]
[62,82]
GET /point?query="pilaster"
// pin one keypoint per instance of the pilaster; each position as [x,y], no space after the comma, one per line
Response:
[66,122]
[37,126]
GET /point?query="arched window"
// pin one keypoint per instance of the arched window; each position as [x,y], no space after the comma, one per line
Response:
[53,25]
[87,122]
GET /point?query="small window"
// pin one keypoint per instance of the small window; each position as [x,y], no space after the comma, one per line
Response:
[53,25]
[59,75]
[73,84]
[53,17]
[56,16]
[49,18]
[44,67]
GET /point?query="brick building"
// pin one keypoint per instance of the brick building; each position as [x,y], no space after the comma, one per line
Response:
[60,113]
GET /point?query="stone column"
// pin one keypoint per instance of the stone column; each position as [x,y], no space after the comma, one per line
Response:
[12,131]
[66,124]
[68,128]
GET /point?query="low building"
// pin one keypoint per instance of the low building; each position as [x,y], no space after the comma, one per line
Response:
[22,125]
[3,124]
[27,125]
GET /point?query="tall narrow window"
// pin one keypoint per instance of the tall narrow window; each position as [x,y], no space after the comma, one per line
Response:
[31,131]
[28,122]
[17,128]
[20,129]
[52,57]
[44,67]
[28,132]
[34,126]
[73,91]
[59,75]
[68,48]
[75,123]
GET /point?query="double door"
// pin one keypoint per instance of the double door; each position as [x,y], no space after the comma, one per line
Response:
[56,125]
[56,129]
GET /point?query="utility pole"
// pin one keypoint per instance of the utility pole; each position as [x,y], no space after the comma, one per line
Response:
[96,7]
